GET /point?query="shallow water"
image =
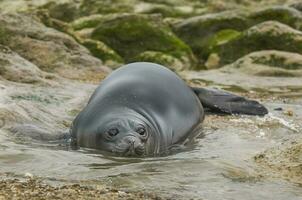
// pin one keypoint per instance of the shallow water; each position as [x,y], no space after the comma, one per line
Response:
[220,165]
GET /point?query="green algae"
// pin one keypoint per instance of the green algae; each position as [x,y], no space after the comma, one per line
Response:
[88,7]
[130,35]
[160,58]
[283,14]
[36,98]
[87,22]
[276,61]
[4,35]
[198,32]
[264,36]
[66,12]
[102,51]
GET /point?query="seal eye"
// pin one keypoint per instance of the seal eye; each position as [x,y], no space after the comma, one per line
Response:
[113,132]
[141,131]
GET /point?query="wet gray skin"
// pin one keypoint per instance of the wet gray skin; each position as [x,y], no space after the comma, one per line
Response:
[124,134]
[146,109]
[139,109]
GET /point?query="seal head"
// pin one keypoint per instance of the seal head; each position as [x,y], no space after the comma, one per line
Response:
[123,132]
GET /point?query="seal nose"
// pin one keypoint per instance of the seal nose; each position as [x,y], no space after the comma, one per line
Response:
[130,140]
[135,146]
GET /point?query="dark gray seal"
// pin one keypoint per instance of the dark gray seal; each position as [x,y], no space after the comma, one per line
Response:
[145,109]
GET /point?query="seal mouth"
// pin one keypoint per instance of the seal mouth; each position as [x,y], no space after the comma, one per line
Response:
[135,151]
[132,148]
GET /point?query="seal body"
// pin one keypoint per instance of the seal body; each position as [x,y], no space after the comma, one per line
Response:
[139,109]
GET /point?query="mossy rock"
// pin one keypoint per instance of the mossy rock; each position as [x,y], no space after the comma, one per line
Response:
[92,21]
[47,48]
[268,63]
[264,36]
[66,12]
[87,22]
[89,7]
[4,35]
[102,51]
[132,34]
[160,58]
[167,10]
[48,21]
[221,38]
[297,5]
[282,14]
[200,32]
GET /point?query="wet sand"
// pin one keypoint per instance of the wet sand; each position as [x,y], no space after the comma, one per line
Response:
[34,189]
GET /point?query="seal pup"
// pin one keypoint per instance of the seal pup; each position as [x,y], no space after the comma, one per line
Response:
[145,109]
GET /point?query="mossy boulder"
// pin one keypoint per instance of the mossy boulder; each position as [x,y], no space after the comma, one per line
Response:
[160,58]
[90,21]
[200,32]
[48,21]
[67,11]
[165,10]
[89,7]
[4,35]
[203,33]
[264,36]
[297,5]
[132,34]
[102,51]
[269,63]
[282,14]
[47,48]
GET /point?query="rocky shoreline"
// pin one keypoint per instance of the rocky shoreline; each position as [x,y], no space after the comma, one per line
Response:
[34,189]
[54,53]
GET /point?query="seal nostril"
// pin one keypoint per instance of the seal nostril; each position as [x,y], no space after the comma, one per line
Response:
[130,140]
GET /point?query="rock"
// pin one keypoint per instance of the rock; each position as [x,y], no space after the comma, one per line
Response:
[15,68]
[132,34]
[283,161]
[297,5]
[64,11]
[48,49]
[268,63]
[8,6]
[4,35]
[282,14]
[160,58]
[90,21]
[264,36]
[102,51]
[89,7]
[48,21]
[200,31]
[213,61]
[203,33]
[164,9]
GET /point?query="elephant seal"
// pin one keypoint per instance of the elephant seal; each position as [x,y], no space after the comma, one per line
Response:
[145,109]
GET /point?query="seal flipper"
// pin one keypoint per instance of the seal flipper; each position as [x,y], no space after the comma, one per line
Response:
[225,102]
